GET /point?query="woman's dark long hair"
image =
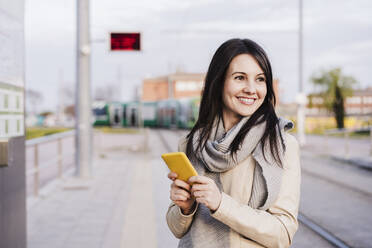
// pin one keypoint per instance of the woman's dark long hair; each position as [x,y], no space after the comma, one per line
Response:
[211,105]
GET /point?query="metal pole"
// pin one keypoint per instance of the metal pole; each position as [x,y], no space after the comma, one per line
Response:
[301,98]
[300,47]
[140,109]
[83,138]
[346,140]
[170,88]
[370,145]
[36,175]
[60,167]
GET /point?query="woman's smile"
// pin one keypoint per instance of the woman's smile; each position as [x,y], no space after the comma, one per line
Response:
[246,100]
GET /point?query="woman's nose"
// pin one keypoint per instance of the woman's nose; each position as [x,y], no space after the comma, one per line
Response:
[249,87]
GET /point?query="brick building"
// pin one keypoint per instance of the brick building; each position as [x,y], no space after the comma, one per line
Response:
[177,85]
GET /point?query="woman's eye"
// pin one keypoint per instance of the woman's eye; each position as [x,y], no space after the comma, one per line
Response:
[261,79]
[239,78]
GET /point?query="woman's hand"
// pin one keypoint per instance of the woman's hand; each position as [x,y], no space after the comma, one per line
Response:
[205,191]
[180,194]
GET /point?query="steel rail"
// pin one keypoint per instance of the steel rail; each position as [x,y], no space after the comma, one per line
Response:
[322,232]
[50,138]
[326,179]
[47,164]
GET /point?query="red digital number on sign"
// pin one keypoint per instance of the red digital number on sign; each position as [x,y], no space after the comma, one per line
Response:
[125,41]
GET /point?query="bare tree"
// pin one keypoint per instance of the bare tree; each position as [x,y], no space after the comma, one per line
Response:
[33,98]
[106,93]
[70,110]
[67,95]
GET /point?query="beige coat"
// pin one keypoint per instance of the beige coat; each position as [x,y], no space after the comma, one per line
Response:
[274,227]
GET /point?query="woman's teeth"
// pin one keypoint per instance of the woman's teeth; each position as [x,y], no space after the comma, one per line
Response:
[246,100]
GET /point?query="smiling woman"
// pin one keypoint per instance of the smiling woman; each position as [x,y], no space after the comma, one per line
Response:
[247,190]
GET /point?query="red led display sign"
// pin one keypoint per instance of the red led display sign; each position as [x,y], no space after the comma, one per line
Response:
[125,41]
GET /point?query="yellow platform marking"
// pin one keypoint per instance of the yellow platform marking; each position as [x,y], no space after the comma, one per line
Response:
[139,229]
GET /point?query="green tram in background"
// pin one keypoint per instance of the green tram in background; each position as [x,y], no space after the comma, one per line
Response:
[171,113]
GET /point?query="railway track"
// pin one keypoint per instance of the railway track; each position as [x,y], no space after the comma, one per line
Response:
[340,184]
[319,230]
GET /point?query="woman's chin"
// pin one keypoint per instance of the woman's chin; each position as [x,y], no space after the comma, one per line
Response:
[246,112]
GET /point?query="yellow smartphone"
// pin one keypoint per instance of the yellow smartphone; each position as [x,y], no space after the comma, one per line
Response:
[179,163]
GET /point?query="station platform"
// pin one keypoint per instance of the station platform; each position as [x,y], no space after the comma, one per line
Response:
[125,201]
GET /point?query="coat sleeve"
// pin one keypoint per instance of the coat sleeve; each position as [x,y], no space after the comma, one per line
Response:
[177,222]
[276,226]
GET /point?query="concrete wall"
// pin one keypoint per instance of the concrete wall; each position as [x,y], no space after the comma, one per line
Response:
[13,197]
[12,176]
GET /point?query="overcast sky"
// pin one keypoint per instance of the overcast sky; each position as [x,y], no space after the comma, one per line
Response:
[185,34]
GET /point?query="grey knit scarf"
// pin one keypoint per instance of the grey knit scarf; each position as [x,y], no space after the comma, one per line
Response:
[205,231]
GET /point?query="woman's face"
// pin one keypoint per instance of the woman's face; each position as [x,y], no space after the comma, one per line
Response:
[245,88]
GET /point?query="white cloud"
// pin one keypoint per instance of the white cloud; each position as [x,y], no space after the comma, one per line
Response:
[346,54]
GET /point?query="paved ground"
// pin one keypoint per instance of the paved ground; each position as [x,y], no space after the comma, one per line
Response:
[123,205]
[355,151]
[125,202]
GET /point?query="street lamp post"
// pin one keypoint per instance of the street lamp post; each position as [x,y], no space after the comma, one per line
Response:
[301,97]
[83,138]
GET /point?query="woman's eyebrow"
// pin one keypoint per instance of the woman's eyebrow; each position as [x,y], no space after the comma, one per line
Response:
[239,72]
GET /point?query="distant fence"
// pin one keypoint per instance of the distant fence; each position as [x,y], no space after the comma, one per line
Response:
[346,134]
[38,165]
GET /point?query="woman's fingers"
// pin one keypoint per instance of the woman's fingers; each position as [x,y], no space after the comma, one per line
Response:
[179,190]
[182,192]
[205,191]
[178,198]
[181,184]
[200,187]
[172,176]
[199,179]
[202,201]
[199,194]
[179,194]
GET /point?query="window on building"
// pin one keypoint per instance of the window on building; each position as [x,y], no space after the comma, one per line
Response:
[6,126]
[317,100]
[6,101]
[189,85]
[18,104]
[354,100]
[367,100]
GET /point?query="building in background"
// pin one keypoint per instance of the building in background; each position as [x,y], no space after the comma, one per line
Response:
[177,85]
[359,104]
[11,110]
